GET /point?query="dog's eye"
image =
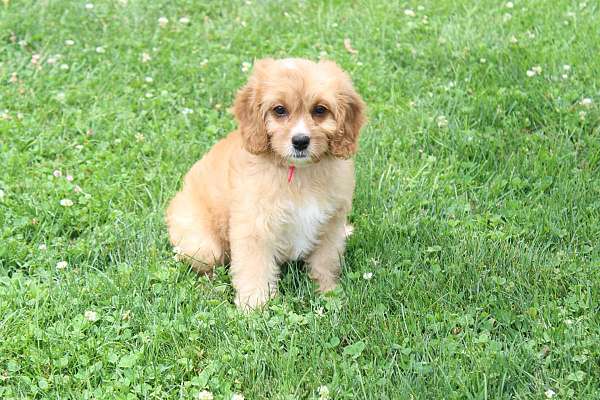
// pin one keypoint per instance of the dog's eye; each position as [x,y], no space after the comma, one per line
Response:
[280,110]
[319,110]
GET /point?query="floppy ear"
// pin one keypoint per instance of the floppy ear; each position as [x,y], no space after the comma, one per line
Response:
[247,110]
[351,117]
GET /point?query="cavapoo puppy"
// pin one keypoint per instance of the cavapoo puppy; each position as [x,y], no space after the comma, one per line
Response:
[280,187]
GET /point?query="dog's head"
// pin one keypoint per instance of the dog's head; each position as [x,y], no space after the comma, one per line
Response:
[299,110]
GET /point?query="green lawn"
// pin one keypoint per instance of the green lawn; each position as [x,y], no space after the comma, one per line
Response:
[477,207]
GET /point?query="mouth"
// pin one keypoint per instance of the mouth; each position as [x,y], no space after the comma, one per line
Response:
[299,157]
[299,154]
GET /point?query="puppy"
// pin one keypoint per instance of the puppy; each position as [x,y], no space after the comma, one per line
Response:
[280,187]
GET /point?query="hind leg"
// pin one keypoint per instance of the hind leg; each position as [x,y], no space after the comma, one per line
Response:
[191,233]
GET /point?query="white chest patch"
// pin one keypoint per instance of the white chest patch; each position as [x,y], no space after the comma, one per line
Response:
[303,225]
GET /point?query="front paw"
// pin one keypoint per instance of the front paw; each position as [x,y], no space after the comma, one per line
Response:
[251,300]
[326,285]
[325,282]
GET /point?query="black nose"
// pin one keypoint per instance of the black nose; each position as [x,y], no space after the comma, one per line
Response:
[300,141]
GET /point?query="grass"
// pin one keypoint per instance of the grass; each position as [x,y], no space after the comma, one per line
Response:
[477,206]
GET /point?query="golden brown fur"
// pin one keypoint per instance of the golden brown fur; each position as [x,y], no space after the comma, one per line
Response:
[237,204]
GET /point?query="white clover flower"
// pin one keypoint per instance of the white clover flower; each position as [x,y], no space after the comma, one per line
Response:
[100,50]
[69,178]
[60,96]
[64,67]
[89,6]
[513,39]
[91,316]
[509,4]
[184,20]
[77,189]
[237,396]
[149,79]
[205,395]
[246,66]
[482,60]
[566,67]
[367,276]
[66,202]
[186,111]
[178,253]
[535,70]
[61,264]
[323,392]
[35,59]
[409,13]
[1,193]
[139,137]
[69,42]
[587,102]
[43,247]
[441,121]
[550,393]
[146,57]
[163,21]
[57,173]
[582,115]
[565,76]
